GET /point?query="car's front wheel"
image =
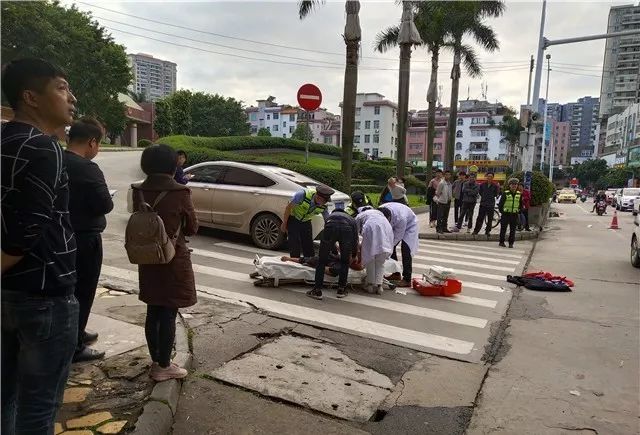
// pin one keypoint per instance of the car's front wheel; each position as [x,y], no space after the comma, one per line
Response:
[635,252]
[265,231]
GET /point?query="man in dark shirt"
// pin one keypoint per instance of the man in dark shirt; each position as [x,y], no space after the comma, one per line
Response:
[488,192]
[39,310]
[89,202]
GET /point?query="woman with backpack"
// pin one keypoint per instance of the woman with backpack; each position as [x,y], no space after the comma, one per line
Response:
[166,284]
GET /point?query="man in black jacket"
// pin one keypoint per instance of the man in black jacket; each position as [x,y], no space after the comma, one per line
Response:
[89,202]
[341,228]
[488,191]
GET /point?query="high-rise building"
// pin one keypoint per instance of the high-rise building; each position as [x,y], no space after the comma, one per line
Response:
[622,134]
[583,116]
[561,138]
[620,83]
[153,78]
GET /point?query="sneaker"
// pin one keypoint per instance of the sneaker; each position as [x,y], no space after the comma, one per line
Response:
[342,292]
[161,374]
[503,245]
[511,246]
[379,289]
[315,294]
[402,283]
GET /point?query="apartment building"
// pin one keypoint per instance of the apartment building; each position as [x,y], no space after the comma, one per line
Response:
[376,126]
[154,78]
[561,139]
[622,134]
[417,137]
[478,137]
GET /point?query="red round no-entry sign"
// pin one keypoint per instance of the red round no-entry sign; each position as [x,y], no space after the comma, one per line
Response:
[309,97]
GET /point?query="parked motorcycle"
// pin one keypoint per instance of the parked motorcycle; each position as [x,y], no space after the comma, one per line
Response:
[601,207]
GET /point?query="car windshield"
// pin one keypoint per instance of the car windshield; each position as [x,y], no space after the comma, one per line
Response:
[631,192]
[567,191]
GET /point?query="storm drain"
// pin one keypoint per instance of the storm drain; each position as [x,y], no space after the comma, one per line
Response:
[311,374]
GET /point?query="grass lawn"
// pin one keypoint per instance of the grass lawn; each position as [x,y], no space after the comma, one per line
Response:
[414,200]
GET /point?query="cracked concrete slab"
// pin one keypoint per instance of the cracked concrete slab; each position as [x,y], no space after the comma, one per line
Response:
[116,337]
[312,374]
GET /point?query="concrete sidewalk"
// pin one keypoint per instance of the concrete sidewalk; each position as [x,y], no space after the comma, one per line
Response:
[569,361]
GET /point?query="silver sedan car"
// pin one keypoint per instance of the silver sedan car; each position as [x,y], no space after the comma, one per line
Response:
[248,198]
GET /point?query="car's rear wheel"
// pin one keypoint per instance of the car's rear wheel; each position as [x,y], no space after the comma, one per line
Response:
[265,231]
[635,252]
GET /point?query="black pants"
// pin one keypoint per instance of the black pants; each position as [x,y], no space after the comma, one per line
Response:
[525,218]
[300,238]
[443,216]
[511,220]
[160,331]
[466,214]
[433,211]
[457,206]
[88,265]
[344,236]
[407,260]
[484,211]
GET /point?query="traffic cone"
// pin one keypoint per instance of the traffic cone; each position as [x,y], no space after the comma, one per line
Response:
[614,221]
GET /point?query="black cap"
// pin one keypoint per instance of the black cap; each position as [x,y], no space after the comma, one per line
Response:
[325,191]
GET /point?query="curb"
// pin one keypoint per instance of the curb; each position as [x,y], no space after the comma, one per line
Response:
[520,235]
[157,415]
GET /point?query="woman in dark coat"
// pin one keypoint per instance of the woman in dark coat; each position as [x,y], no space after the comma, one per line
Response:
[166,287]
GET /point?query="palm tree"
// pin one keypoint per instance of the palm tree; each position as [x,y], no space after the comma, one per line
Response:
[352,35]
[467,18]
[511,128]
[431,23]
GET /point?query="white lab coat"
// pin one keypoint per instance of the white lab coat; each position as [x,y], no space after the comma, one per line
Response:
[405,225]
[377,235]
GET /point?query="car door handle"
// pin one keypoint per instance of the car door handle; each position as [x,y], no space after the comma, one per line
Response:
[206,188]
[255,192]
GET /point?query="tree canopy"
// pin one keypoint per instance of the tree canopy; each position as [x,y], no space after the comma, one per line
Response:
[302,132]
[200,114]
[96,67]
[264,132]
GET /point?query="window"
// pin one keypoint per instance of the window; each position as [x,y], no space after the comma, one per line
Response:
[376,124]
[291,129]
[459,133]
[357,125]
[206,174]
[458,145]
[328,140]
[253,116]
[479,133]
[460,121]
[284,123]
[437,146]
[275,128]
[276,116]
[375,152]
[376,110]
[376,138]
[284,135]
[367,125]
[356,139]
[458,157]
[438,133]
[366,150]
[268,116]
[393,126]
[292,117]
[358,109]
[245,177]
[367,138]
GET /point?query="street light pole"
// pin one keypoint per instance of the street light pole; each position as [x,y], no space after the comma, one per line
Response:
[546,114]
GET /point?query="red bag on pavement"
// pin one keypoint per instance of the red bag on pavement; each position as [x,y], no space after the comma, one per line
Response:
[549,277]
[425,288]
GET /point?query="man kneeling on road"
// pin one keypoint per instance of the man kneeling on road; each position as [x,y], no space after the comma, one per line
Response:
[339,228]
[304,206]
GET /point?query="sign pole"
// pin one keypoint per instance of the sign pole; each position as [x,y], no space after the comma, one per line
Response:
[306,142]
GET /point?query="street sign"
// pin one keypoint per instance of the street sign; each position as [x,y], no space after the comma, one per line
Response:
[309,97]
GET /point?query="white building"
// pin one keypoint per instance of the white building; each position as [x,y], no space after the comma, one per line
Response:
[153,78]
[376,129]
[623,132]
[479,138]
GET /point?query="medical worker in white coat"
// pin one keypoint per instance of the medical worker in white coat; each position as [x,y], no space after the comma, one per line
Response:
[377,244]
[405,229]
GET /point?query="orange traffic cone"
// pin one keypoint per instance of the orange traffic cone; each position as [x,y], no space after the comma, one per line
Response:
[614,221]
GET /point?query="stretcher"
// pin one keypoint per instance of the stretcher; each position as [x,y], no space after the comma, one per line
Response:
[273,272]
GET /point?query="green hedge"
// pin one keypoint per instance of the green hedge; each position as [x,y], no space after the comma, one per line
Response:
[373,171]
[541,188]
[143,143]
[363,181]
[367,188]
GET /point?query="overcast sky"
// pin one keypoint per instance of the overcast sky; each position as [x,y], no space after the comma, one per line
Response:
[576,67]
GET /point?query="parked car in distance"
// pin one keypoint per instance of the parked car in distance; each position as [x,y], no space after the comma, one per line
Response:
[626,198]
[567,195]
[635,242]
[248,199]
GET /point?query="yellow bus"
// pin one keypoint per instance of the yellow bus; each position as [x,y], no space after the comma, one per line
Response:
[481,167]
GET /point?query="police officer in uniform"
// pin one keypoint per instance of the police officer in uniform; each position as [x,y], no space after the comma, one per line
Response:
[358,199]
[303,207]
[510,206]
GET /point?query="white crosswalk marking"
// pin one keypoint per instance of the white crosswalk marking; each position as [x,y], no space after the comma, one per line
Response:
[480,247]
[456,326]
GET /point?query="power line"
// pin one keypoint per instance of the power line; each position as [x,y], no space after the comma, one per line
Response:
[576,74]
[268,43]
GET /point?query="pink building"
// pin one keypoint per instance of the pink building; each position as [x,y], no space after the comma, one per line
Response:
[417,136]
[561,139]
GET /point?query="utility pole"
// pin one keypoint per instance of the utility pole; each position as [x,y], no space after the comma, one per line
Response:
[552,155]
[530,78]
[546,114]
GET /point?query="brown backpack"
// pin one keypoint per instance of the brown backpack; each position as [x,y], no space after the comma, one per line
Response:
[146,239]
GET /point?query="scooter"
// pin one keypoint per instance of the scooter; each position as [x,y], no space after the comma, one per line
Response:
[601,207]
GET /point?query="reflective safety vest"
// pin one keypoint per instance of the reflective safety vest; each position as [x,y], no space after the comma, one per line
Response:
[352,211]
[512,202]
[303,211]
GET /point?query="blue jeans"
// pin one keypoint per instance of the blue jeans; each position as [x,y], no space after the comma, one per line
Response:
[39,337]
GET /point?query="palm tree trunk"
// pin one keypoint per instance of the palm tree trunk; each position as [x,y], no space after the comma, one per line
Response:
[349,110]
[403,106]
[453,110]
[432,99]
